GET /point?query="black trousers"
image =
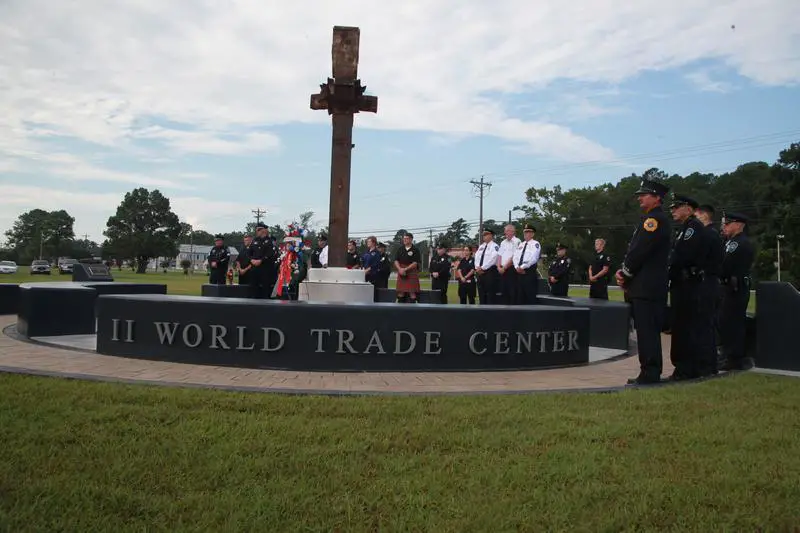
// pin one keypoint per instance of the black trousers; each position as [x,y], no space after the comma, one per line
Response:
[262,281]
[467,292]
[244,279]
[559,288]
[599,290]
[509,281]
[441,284]
[692,351]
[487,287]
[528,287]
[382,282]
[733,322]
[217,276]
[648,317]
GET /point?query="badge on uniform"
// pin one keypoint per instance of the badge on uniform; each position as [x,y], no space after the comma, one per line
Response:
[731,247]
[688,234]
[410,253]
[650,224]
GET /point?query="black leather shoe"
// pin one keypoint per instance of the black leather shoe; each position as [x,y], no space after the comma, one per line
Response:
[644,380]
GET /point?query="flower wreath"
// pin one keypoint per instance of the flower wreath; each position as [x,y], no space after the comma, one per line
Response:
[292,261]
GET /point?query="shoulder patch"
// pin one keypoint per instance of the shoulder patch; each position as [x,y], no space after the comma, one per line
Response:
[537,245]
[650,224]
[688,234]
[731,246]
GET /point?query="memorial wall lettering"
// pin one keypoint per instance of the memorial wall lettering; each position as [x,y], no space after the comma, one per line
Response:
[345,341]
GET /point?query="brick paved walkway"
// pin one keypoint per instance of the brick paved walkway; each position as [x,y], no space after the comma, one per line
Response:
[25,357]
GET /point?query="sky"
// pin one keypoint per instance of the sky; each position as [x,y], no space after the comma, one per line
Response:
[209,103]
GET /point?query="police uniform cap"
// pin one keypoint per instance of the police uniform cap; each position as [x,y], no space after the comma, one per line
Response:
[488,231]
[560,246]
[219,238]
[680,199]
[736,217]
[529,227]
[381,245]
[246,235]
[260,225]
[652,187]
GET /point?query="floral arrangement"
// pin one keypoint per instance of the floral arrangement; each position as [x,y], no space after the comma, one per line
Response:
[291,267]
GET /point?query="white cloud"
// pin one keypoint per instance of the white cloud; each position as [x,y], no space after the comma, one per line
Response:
[702,80]
[434,65]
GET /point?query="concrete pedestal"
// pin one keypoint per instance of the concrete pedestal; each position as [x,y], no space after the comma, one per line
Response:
[336,285]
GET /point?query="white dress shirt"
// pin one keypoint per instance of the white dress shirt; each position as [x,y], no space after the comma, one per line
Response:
[527,254]
[323,256]
[486,256]
[507,249]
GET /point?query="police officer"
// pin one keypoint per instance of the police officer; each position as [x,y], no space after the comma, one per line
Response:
[691,296]
[371,261]
[705,214]
[465,274]
[644,278]
[384,268]
[486,268]
[319,257]
[352,257]
[525,259]
[218,259]
[505,266]
[440,271]
[739,256]
[243,261]
[559,272]
[262,257]
[599,271]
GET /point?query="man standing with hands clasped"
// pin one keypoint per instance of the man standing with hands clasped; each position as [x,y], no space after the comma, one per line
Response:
[525,258]
[486,268]
[505,266]
[644,277]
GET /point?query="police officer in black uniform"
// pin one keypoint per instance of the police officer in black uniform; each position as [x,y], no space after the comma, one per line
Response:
[384,268]
[739,256]
[262,257]
[692,295]
[599,271]
[243,261]
[440,271]
[353,260]
[322,243]
[218,260]
[705,214]
[467,288]
[559,272]
[644,278]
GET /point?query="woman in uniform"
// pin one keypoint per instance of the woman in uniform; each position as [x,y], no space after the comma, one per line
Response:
[465,274]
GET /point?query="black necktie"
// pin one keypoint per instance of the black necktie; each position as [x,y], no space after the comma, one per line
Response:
[522,255]
[483,254]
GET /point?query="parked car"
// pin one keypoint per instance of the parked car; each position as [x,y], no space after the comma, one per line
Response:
[40,266]
[8,267]
[65,266]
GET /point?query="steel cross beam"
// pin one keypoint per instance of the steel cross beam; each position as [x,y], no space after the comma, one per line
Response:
[343,96]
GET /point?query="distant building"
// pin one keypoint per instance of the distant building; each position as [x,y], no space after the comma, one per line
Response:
[198,255]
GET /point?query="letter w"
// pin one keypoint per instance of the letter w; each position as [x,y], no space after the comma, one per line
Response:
[166,331]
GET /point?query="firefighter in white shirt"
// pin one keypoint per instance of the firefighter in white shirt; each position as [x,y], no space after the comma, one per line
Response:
[486,268]
[526,258]
[505,266]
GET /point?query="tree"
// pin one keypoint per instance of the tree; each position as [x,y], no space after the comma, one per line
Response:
[144,227]
[41,233]
[458,233]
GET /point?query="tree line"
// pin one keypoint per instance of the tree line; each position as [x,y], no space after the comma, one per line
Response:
[145,227]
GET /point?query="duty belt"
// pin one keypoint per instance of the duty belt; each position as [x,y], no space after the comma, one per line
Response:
[692,273]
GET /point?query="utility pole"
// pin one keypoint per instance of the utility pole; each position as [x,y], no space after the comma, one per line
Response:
[481,189]
[780,238]
[259,214]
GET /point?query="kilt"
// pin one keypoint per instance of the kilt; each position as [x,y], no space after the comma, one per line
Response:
[408,283]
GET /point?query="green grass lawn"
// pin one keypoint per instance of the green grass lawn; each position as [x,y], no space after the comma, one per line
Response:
[85,456]
[177,283]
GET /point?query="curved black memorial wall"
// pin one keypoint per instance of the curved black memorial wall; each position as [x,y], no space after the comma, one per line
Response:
[68,308]
[609,320]
[9,298]
[339,336]
[776,324]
